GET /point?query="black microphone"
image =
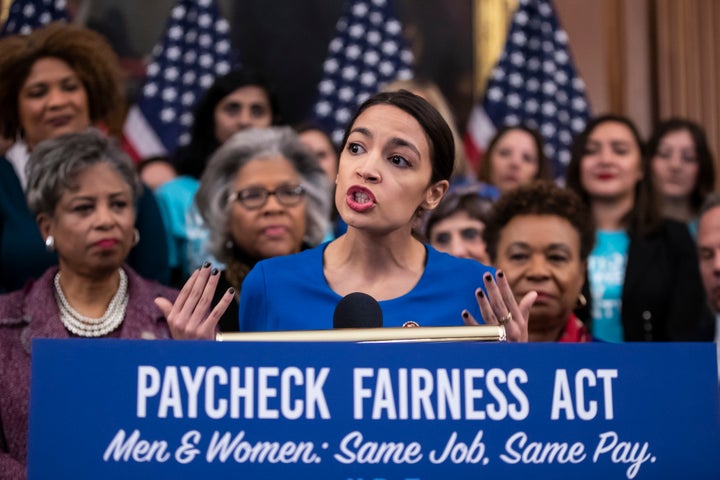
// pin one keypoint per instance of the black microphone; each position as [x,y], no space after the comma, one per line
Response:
[357,310]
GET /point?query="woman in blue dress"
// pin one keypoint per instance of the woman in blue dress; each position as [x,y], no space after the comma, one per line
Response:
[396,161]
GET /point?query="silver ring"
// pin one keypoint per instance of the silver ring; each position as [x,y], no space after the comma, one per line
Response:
[505,319]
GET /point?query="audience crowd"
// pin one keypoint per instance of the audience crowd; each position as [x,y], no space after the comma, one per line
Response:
[625,247]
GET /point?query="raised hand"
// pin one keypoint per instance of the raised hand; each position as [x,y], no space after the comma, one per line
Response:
[499,307]
[190,316]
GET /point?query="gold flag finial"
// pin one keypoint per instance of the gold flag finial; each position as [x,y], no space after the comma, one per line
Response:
[490,26]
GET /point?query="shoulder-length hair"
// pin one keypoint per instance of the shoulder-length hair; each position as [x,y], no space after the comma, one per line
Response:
[88,54]
[485,166]
[213,196]
[705,182]
[193,158]
[644,217]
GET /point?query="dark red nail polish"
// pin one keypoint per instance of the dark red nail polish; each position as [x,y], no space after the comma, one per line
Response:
[231,291]
[214,271]
[500,274]
[480,294]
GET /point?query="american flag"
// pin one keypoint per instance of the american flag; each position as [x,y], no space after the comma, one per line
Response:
[367,52]
[27,15]
[534,83]
[194,49]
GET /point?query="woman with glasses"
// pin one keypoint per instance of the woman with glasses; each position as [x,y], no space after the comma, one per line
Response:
[236,101]
[262,195]
[396,162]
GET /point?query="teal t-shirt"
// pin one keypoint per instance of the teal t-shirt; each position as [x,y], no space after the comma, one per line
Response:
[187,235]
[606,272]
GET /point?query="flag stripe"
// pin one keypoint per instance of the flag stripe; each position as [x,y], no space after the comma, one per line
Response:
[534,83]
[139,136]
[194,49]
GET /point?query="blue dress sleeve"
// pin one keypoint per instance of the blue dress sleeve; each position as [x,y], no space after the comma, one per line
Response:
[253,301]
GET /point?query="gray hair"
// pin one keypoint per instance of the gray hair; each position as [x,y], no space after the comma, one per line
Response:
[54,165]
[236,152]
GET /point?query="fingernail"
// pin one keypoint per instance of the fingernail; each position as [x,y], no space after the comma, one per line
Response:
[465,314]
[206,265]
[480,294]
[487,277]
[500,274]
[231,291]
[214,271]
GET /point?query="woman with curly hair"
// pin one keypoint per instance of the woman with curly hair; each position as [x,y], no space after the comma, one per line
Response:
[541,235]
[59,79]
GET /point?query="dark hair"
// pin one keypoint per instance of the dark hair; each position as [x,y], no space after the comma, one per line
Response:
[461,200]
[437,131]
[192,159]
[540,197]
[705,183]
[711,201]
[311,126]
[87,53]
[543,172]
[644,217]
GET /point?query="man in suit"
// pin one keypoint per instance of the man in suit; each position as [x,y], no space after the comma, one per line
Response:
[708,243]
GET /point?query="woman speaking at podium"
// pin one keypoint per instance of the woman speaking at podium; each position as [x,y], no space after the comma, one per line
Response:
[395,163]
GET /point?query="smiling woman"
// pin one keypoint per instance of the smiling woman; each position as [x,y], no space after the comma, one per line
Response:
[644,282]
[57,80]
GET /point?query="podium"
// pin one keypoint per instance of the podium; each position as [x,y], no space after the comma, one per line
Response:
[117,409]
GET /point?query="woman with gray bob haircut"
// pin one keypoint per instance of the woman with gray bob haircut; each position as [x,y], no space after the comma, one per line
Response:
[66,159]
[262,195]
[82,189]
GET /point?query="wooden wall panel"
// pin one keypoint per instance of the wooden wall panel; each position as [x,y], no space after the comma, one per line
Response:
[687,64]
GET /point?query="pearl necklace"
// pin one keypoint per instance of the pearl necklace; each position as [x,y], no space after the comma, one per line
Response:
[84,326]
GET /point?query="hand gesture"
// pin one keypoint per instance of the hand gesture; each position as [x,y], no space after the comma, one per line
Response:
[190,316]
[499,307]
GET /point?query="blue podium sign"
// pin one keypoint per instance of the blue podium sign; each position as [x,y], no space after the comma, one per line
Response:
[117,409]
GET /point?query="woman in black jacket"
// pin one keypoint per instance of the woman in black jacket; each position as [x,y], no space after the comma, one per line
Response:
[644,283]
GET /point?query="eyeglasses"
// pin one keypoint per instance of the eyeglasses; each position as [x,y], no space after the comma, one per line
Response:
[256,197]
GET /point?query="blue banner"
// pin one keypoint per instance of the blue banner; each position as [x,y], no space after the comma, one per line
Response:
[118,409]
